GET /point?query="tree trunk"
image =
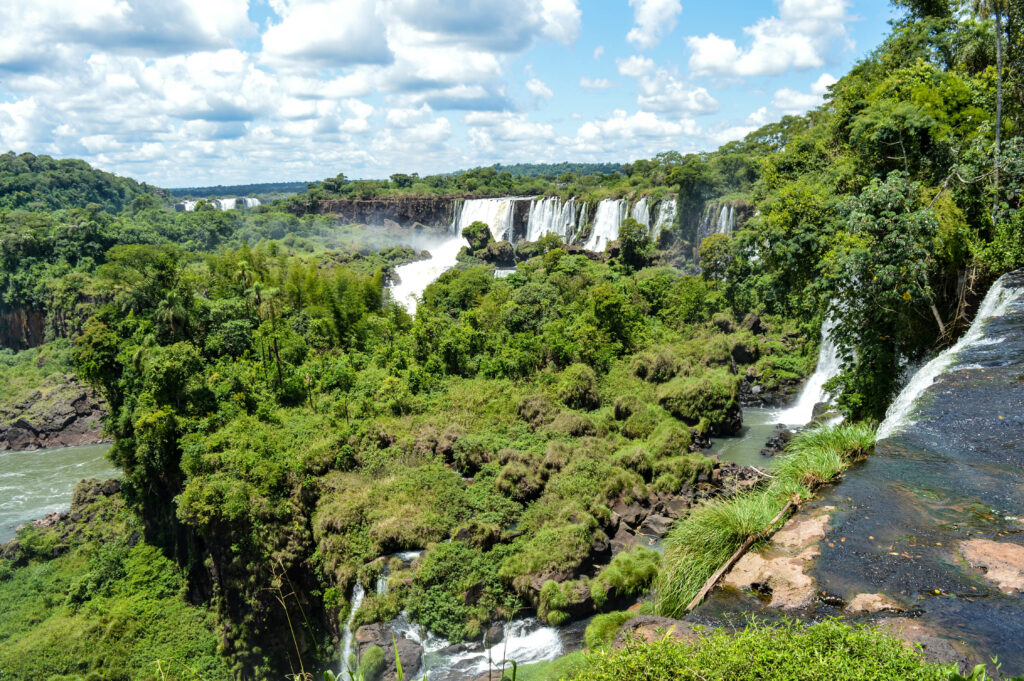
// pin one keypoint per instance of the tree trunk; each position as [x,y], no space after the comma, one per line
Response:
[999,100]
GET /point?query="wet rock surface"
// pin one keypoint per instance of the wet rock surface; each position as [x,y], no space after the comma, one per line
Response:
[410,653]
[62,413]
[931,521]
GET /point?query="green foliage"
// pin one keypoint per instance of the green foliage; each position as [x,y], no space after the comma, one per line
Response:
[578,388]
[713,396]
[788,651]
[602,629]
[371,664]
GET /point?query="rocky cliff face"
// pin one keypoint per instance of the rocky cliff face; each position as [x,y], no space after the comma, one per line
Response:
[436,213]
[61,413]
[21,328]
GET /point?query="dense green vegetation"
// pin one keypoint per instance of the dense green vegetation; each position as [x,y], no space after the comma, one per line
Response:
[284,428]
[41,183]
[258,189]
[786,652]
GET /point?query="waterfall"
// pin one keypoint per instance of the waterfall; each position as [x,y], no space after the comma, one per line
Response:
[551,216]
[666,215]
[610,214]
[348,642]
[829,365]
[725,220]
[997,301]
[641,212]
[189,206]
[495,213]
[248,202]
[414,277]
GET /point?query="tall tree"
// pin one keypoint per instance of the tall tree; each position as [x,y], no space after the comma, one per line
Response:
[984,9]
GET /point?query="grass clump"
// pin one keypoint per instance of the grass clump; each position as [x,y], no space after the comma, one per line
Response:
[704,540]
[786,652]
[711,395]
[602,629]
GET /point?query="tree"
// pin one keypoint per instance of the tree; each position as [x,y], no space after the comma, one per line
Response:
[634,243]
[984,9]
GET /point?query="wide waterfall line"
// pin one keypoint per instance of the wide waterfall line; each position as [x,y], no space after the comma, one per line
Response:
[829,365]
[220,204]
[565,218]
[996,303]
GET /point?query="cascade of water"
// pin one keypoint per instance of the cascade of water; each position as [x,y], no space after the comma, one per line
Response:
[641,212]
[666,215]
[348,642]
[829,365]
[705,228]
[551,216]
[189,205]
[584,216]
[996,302]
[249,202]
[414,277]
[495,213]
[225,204]
[610,214]
[725,220]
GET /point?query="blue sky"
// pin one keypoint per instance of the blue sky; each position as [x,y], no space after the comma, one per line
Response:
[198,92]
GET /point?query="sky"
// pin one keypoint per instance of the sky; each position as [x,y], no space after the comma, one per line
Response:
[204,92]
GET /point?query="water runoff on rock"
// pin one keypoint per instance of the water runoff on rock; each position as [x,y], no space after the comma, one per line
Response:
[526,640]
[997,301]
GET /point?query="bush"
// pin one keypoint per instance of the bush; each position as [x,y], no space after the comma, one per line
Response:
[635,458]
[571,423]
[518,482]
[631,572]
[478,234]
[602,629]
[712,396]
[578,388]
[372,663]
[656,366]
[669,439]
[642,422]
[783,652]
[626,405]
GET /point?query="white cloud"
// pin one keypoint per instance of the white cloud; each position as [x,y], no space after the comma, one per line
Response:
[595,83]
[538,89]
[791,101]
[759,117]
[654,20]
[635,66]
[802,36]
[325,33]
[598,51]
[663,91]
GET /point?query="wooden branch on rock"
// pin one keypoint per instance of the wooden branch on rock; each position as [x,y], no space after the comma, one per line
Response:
[713,579]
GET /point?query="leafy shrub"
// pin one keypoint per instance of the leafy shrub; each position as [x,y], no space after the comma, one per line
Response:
[371,664]
[571,423]
[669,439]
[518,481]
[711,396]
[625,405]
[657,365]
[635,458]
[578,388]
[642,422]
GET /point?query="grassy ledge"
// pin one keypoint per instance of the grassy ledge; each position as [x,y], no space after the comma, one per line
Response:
[700,543]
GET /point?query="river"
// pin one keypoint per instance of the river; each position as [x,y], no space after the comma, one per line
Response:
[35,483]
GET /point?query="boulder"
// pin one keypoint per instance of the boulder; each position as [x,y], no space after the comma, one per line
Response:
[650,628]
[383,635]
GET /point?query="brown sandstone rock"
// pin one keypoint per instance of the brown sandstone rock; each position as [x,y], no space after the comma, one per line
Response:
[1002,562]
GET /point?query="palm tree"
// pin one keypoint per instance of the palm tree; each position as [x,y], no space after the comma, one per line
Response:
[984,9]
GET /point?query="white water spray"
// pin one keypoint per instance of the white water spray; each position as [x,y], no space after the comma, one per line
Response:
[641,212]
[996,302]
[829,365]
[552,216]
[414,277]
[666,215]
[348,642]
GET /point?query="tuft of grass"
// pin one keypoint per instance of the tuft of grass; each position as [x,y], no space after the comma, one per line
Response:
[602,629]
[704,540]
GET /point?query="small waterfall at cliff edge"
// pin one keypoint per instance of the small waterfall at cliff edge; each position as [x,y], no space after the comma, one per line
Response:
[829,365]
[610,214]
[495,213]
[996,302]
[348,642]
[641,212]
[666,215]
[552,216]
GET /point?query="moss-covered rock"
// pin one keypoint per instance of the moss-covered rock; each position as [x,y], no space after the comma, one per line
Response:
[642,422]
[656,365]
[669,439]
[478,234]
[712,396]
